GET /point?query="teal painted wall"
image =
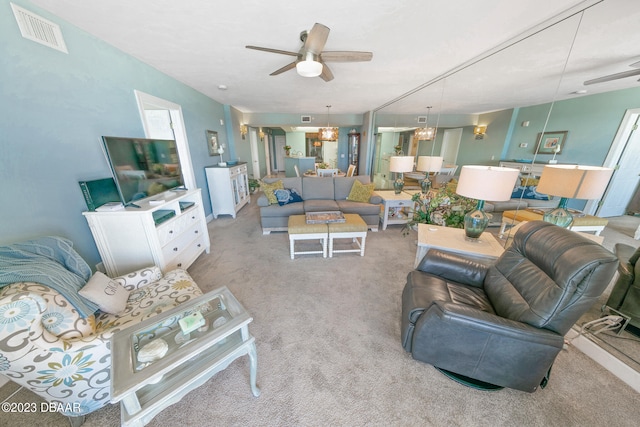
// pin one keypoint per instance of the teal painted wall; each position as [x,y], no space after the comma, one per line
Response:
[55,108]
[592,122]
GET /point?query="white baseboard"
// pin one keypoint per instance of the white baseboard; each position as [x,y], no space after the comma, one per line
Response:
[621,370]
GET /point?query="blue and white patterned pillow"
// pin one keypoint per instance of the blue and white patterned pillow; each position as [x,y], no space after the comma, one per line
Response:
[287,195]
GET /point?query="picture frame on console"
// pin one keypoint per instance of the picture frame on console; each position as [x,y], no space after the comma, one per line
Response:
[212,142]
[550,142]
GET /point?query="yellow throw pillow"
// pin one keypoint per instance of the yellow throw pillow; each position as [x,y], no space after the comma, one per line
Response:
[526,182]
[360,192]
[269,191]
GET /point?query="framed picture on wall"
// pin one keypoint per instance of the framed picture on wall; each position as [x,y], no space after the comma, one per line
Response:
[551,142]
[212,142]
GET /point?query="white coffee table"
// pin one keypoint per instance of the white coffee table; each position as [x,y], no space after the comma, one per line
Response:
[396,208]
[453,240]
[145,389]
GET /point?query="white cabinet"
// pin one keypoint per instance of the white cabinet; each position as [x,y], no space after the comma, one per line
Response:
[168,230]
[228,188]
[525,168]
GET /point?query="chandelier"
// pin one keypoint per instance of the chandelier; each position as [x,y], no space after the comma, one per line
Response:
[426,133]
[328,133]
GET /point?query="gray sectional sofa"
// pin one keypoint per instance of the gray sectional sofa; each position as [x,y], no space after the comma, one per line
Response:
[318,195]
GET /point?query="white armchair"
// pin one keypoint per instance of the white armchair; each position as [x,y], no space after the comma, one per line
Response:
[48,348]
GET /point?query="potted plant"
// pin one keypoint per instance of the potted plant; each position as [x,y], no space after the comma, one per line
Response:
[254,184]
[440,207]
[287,149]
[398,149]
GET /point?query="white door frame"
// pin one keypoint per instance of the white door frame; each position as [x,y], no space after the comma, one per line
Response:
[150,102]
[616,151]
[255,157]
[267,153]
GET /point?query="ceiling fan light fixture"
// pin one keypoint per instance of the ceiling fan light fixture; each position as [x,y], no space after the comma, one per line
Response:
[309,67]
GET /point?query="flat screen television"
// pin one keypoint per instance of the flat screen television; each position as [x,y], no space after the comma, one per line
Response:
[143,167]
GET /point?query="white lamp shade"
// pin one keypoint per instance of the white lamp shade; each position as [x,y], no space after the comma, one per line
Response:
[309,68]
[401,164]
[429,163]
[574,181]
[487,182]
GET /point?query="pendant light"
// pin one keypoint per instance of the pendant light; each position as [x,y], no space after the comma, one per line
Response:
[328,133]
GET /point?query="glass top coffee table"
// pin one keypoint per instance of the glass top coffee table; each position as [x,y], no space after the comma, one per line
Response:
[453,240]
[154,363]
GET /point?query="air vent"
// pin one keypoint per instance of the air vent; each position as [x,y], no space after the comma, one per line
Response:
[422,119]
[305,119]
[38,29]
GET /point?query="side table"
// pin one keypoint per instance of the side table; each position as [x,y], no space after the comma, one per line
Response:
[453,240]
[396,208]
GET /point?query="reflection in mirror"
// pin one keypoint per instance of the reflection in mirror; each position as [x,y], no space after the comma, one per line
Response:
[524,136]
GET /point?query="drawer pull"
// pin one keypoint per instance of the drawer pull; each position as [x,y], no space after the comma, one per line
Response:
[199,245]
[170,231]
[175,249]
[197,231]
[179,265]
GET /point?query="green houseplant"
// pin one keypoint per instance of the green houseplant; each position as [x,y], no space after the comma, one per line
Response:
[254,184]
[440,207]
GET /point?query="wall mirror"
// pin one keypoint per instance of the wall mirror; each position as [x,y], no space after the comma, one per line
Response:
[519,125]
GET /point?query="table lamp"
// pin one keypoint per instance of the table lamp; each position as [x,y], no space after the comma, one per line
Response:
[571,182]
[399,165]
[428,164]
[484,183]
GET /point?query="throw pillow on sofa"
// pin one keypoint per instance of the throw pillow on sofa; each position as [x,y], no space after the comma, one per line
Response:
[269,190]
[360,192]
[108,294]
[287,195]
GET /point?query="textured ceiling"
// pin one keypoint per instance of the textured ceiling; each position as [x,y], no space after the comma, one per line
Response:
[202,44]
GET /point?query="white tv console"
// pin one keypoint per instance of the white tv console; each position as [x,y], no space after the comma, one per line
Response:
[129,239]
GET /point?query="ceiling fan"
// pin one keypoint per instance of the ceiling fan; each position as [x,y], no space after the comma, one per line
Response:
[310,59]
[617,76]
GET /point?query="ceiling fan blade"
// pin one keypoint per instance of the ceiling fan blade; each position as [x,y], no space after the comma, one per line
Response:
[268,49]
[285,68]
[613,77]
[346,56]
[316,38]
[326,74]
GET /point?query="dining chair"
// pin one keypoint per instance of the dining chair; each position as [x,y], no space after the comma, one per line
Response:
[297,170]
[351,170]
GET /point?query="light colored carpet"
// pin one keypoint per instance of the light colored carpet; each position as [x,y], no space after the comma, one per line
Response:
[329,353]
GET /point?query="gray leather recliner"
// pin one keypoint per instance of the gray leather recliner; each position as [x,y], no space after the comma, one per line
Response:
[504,323]
[625,295]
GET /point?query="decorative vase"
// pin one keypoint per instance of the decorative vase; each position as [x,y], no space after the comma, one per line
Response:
[475,222]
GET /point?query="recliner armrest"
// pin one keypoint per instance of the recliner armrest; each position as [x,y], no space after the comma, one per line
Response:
[463,269]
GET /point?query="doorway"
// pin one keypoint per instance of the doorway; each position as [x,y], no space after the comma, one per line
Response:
[624,157]
[280,141]
[163,119]
[450,146]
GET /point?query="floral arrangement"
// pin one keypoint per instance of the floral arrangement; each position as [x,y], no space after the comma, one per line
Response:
[398,149]
[440,207]
[287,147]
[324,166]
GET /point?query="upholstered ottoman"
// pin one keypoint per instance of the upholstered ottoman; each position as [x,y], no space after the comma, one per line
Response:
[299,230]
[588,223]
[353,228]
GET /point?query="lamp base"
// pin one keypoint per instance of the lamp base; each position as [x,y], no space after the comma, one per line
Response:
[425,185]
[475,222]
[398,185]
[559,216]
